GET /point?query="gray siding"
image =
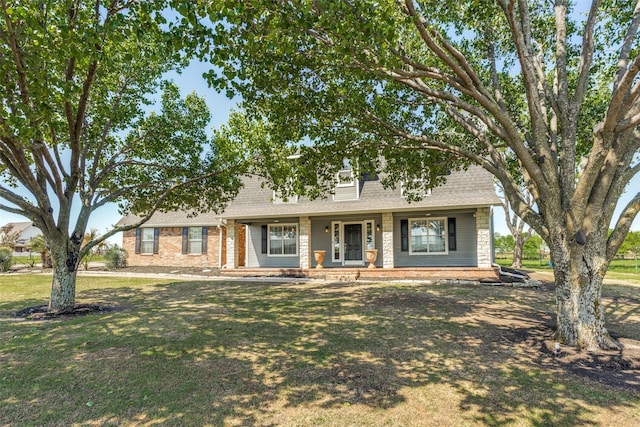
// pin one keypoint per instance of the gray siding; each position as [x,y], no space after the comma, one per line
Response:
[464,256]
[255,257]
[323,241]
[346,193]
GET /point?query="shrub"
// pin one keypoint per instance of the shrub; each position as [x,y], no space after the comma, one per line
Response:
[6,258]
[115,258]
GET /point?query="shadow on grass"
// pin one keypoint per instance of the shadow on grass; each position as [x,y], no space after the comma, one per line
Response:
[248,353]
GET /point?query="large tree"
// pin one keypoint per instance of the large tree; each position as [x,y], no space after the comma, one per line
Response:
[532,85]
[79,83]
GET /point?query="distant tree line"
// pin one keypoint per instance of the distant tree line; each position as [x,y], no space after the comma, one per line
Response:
[535,248]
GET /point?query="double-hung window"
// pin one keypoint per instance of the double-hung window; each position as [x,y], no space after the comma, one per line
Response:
[278,198]
[428,236]
[283,239]
[414,190]
[194,240]
[345,176]
[147,240]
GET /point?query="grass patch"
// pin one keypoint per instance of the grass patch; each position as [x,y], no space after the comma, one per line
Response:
[330,354]
[619,269]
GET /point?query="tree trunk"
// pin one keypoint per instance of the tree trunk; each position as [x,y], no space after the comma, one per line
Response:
[518,248]
[580,313]
[63,288]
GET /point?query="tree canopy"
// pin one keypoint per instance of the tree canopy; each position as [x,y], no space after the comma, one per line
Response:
[88,118]
[543,95]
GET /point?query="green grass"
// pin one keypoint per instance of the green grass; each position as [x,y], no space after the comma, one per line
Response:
[219,353]
[620,269]
[617,265]
[35,259]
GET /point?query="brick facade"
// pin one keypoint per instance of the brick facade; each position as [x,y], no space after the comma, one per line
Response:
[170,250]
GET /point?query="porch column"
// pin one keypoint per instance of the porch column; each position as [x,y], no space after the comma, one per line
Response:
[232,244]
[304,242]
[387,240]
[483,230]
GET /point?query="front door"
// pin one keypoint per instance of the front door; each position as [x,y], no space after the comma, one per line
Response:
[353,244]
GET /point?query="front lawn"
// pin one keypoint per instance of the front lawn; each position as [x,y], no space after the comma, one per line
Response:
[313,353]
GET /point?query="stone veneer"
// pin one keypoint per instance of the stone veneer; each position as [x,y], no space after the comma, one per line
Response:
[232,248]
[170,250]
[387,240]
[483,226]
[304,242]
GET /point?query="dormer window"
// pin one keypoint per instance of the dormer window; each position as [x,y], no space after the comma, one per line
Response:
[345,178]
[416,190]
[278,197]
[347,186]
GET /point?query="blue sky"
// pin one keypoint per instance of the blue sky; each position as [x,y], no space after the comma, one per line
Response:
[220,106]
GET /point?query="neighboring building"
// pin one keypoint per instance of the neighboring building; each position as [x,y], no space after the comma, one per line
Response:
[24,232]
[175,239]
[447,234]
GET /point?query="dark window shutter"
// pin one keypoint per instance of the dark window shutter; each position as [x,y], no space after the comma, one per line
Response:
[452,234]
[404,235]
[138,240]
[205,234]
[156,240]
[264,239]
[185,240]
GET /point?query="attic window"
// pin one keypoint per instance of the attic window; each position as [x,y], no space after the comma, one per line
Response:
[416,190]
[345,178]
[278,199]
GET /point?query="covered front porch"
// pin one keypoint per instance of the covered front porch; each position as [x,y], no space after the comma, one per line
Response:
[460,246]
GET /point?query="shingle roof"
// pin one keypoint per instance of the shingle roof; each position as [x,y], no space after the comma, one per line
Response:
[175,219]
[17,227]
[467,189]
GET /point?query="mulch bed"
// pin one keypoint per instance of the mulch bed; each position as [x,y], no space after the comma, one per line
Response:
[41,312]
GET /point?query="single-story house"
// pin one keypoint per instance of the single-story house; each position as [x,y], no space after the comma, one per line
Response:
[20,234]
[447,234]
[176,239]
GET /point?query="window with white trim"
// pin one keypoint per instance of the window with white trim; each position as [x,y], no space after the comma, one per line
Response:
[414,190]
[337,239]
[279,199]
[195,240]
[428,236]
[147,239]
[345,176]
[370,236]
[283,239]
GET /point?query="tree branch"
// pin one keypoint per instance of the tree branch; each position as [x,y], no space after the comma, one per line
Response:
[627,44]
[623,225]
[586,57]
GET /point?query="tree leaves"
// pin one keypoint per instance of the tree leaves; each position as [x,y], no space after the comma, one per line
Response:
[87,115]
